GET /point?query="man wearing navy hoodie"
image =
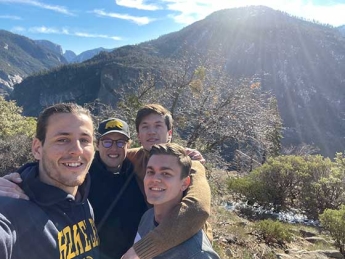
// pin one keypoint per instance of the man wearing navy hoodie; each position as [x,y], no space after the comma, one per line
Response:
[57,222]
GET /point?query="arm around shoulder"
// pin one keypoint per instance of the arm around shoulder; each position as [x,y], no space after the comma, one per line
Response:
[187,218]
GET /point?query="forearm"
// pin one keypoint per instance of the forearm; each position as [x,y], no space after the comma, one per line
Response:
[183,222]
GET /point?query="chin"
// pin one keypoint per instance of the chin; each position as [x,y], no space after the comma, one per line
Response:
[78,181]
[148,147]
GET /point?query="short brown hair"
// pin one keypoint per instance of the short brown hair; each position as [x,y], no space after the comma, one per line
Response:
[174,150]
[42,122]
[155,109]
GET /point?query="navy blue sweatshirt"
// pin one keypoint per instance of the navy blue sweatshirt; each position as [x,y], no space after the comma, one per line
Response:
[52,225]
[120,225]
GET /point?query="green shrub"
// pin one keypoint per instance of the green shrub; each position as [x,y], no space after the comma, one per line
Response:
[310,184]
[334,222]
[12,122]
[14,152]
[273,231]
[16,133]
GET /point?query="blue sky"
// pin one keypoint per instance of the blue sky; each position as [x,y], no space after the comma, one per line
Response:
[80,25]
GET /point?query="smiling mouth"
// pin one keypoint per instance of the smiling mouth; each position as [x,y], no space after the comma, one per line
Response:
[157,189]
[113,156]
[72,164]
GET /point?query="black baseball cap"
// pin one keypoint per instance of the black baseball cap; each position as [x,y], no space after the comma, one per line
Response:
[113,125]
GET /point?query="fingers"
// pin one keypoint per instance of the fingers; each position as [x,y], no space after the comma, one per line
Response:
[199,157]
[10,189]
[194,154]
[13,177]
[15,195]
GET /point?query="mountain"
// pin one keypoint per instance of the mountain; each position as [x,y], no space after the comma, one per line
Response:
[57,49]
[342,30]
[21,56]
[300,62]
[88,54]
[69,55]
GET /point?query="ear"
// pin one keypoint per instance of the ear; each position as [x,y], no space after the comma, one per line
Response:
[36,149]
[170,133]
[186,183]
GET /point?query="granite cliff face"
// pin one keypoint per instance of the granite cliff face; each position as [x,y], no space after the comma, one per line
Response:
[300,62]
[21,56]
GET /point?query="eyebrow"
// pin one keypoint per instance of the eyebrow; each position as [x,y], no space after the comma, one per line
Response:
[161,168]
[69,134]
[144,122]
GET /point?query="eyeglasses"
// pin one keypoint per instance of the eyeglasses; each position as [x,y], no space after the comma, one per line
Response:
[108,143]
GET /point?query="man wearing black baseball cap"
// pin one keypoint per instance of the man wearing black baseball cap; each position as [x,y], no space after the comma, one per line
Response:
[115,196]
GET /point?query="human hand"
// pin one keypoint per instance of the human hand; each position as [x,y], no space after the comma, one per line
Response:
[130,254]
[9,186]
[195,155]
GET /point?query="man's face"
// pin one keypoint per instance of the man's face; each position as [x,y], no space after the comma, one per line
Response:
[153,130]
[163,183]
[113,156]
[67,153]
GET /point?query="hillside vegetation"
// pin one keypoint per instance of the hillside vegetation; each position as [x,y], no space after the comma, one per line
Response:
[300,63]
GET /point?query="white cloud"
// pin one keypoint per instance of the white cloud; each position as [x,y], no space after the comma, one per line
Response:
[10,17]
[138,20]
[189,11]
[138,4]
[45,30]
[55,8]
[88,35]
[65,31]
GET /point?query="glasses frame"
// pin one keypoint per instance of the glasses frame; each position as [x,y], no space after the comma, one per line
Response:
[120,143]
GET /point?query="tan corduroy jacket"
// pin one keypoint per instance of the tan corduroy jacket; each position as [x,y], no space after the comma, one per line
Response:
[185,220]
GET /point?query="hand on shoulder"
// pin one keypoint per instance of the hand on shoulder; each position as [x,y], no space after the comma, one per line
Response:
[195,155]
[9,186]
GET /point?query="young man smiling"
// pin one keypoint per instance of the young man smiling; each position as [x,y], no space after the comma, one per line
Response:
[114,194]
[167,178]
[57,221]
[154,125]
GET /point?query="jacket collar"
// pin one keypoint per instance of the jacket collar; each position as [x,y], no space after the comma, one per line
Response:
[45,194]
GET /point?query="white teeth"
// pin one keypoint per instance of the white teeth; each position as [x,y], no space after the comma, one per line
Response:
[156,189]
[113,156]
[73,164]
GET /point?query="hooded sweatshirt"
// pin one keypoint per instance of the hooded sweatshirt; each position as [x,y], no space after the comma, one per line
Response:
[53,224]
[118,205]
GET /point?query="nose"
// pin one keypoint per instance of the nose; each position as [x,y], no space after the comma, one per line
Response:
[157,178]
[152,130]
[113,146]
[76,148]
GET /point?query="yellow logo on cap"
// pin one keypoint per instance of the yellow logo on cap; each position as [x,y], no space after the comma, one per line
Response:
[114,124]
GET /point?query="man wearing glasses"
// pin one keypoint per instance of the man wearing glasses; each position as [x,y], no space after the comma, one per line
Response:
[114,194]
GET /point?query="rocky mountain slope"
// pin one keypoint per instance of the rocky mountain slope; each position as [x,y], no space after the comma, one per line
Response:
[20,57]
[300,62]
